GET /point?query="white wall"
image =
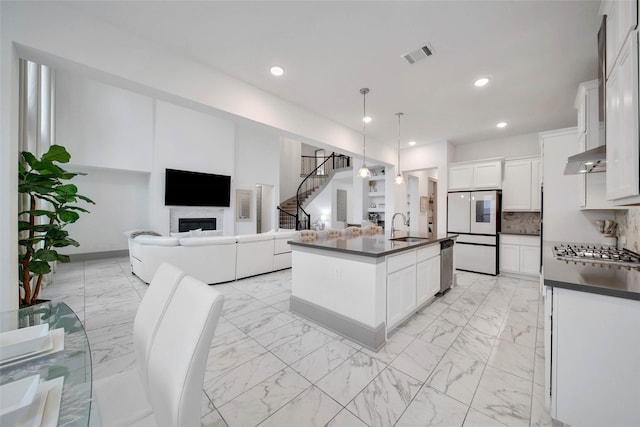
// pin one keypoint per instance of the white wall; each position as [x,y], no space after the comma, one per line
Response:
[102,125]
[193,141]
[257,162]
[436,155]
[290,152]
[563,220]
[517,146]
[326,201]
[122,203]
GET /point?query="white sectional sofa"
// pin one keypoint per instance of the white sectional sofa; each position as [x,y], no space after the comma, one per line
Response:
[212,259]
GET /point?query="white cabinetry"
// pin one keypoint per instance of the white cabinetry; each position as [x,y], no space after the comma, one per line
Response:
[412,279]
[519,254]
[623,159]
[622,18]
[427,273]
[521,185]
[594,352]
[483,175]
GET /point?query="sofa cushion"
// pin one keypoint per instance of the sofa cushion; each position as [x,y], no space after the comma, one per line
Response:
[289,234]
[205,241]
[157,240]
[243,238]
[211,233]
[180,234]
[132,234]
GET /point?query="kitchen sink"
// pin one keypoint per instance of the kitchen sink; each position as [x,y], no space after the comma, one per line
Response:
[410,239]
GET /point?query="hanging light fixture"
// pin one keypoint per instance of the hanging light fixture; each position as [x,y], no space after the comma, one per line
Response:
[364,171]
[399,179]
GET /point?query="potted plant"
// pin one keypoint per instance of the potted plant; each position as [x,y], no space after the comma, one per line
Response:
[47,194]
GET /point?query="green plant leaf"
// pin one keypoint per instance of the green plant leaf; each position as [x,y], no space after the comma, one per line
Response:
[39,267]
[86,199]
[68,216]
[39,212]
[45,255]
[56,153]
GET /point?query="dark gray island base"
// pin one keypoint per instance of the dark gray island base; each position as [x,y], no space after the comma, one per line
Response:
[364,287]
[597,279]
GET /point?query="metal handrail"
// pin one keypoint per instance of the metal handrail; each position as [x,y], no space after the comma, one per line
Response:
[303,219]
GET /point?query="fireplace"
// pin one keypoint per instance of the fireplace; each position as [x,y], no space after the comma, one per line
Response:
[186,224]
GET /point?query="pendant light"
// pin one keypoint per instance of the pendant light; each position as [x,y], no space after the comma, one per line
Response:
[364,171]
[399,179]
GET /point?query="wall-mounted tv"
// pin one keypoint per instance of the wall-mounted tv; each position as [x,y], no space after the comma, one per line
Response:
[185,188]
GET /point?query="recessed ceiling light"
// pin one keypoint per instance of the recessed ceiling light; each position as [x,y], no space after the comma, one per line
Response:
[501,125]
[412,143]
[481,82]
[366,119]
[277,71]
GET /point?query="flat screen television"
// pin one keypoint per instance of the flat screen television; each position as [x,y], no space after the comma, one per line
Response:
[185,188]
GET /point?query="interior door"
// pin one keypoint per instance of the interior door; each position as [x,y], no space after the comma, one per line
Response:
[483,212]
[458,212]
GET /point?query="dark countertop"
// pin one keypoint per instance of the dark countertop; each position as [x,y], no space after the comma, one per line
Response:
[603,280]
[373,246]
[515,233]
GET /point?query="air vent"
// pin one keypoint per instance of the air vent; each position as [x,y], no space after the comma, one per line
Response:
[418,54]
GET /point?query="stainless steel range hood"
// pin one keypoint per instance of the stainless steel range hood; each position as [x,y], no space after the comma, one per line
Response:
[594,160]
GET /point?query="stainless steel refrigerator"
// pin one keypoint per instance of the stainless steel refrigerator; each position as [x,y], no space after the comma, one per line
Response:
[475,217]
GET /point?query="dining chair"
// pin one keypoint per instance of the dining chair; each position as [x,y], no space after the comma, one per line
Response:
[165,388]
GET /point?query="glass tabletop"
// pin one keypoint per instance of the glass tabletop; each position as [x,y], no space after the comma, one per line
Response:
[73,362]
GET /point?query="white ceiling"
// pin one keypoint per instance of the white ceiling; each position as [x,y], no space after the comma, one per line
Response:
[535,52]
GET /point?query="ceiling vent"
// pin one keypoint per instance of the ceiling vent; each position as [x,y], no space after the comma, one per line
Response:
[418,54]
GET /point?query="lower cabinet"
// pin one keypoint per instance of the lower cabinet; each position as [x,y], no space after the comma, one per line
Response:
[401,295]
[412,279]
[520,254]
[594,355]
[427,279]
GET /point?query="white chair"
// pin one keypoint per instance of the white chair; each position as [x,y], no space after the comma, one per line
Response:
[166,387]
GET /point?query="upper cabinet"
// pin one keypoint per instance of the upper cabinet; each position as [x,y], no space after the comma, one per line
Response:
[521,184]
[622,19]
[623,159]
[483,175]
[623,154]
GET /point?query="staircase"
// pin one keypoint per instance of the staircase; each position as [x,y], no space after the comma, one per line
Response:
[291,211]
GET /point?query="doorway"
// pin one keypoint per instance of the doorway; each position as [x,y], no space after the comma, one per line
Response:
[264,212]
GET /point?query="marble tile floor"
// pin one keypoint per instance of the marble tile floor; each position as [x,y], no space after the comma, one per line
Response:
[473,357]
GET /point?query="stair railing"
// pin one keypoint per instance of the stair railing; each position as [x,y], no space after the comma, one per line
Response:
[287,220]
[312,181]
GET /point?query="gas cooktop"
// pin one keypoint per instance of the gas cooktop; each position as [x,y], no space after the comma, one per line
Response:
[597,254]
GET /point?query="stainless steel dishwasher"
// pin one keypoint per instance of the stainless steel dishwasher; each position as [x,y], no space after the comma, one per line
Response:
[446,265]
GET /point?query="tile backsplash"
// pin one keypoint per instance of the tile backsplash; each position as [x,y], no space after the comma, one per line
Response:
[629,228]
[521,222]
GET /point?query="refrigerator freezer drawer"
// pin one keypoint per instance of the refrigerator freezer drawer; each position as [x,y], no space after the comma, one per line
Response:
[476,258]
[480,240]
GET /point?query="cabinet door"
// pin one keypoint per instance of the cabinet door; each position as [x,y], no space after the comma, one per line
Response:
[516,192]
[582,178]
[460,177]
[536,183]
[623,177]
[510,258]
[401,295]
[427,279]
[530,260]
[487,175]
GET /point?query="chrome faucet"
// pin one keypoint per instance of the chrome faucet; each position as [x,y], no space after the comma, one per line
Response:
[404,222]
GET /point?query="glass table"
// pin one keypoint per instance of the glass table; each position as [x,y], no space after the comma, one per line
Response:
[73,362]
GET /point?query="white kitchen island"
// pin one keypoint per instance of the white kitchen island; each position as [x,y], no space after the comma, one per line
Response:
[363,287]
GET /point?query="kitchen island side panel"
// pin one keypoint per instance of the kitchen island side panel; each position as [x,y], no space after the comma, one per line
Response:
[352,286]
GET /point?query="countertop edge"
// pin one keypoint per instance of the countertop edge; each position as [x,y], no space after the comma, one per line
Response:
[409,246]
[611,292]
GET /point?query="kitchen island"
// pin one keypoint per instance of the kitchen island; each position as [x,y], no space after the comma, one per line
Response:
[592,342]
[363,287]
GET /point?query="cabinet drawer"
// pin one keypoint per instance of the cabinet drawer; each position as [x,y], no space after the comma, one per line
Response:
[510,239]
[428,252]
[398,262]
